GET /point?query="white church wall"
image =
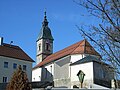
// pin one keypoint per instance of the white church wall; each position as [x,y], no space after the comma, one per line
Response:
[39,50]
[8,72]
[50,68]
[76,57]
[43,73]
[87,68]
[61,72]
[36,74]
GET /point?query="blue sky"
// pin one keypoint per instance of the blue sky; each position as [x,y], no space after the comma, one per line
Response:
[21,20]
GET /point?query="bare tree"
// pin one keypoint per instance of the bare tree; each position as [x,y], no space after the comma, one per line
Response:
[19,81]
[105,35]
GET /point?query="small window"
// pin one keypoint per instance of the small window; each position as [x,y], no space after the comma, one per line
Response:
[4,79]
[5,64]
[47,46]
[39,47]
[14,65]
[24,67]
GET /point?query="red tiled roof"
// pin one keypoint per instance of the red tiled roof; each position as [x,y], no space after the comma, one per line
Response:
[82,47]
[13,51]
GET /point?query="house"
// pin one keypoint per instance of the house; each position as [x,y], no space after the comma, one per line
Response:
[62,67]
[11,56]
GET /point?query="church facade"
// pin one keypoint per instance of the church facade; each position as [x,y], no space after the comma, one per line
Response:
[62,67]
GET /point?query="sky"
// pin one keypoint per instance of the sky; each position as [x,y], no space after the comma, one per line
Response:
[21,21]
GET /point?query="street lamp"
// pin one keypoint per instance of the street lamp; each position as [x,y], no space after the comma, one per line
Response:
[81,75]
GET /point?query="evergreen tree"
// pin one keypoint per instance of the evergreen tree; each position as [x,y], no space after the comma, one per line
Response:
[19,81]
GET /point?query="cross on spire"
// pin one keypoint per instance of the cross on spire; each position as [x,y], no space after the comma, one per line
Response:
[45,14]
[45,22]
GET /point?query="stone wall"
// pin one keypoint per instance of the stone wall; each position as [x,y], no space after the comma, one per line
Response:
[61,68]
[62,83]
[86,84]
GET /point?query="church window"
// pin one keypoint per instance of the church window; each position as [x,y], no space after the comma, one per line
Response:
[39,47]
[5,64]
[4,79]
[47,46]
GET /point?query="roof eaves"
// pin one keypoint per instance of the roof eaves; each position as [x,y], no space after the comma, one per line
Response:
[85,60]
[29,60]
[43,64]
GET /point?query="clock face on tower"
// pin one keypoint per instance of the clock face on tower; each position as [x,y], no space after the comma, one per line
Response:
[47,41]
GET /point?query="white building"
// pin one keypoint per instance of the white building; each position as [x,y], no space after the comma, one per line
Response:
[63,66]
[11,57]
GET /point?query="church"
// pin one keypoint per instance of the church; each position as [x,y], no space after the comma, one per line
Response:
[62,67]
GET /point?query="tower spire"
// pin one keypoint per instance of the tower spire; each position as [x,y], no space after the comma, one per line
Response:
[45,22]
[44,41]
[45,14]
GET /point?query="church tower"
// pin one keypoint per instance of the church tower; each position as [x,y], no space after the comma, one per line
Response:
[44,41]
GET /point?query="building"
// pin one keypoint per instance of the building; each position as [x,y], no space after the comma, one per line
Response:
[63,66]
[11,57]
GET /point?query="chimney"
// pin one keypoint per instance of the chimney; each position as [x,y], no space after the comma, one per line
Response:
[1,41]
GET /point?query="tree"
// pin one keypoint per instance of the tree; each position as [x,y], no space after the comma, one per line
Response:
[19,81]
[105,35]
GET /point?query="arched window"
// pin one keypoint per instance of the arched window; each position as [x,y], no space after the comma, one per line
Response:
[47,46]
[39,47]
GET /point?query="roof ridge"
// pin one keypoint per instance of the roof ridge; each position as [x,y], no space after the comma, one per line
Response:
[11,46]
